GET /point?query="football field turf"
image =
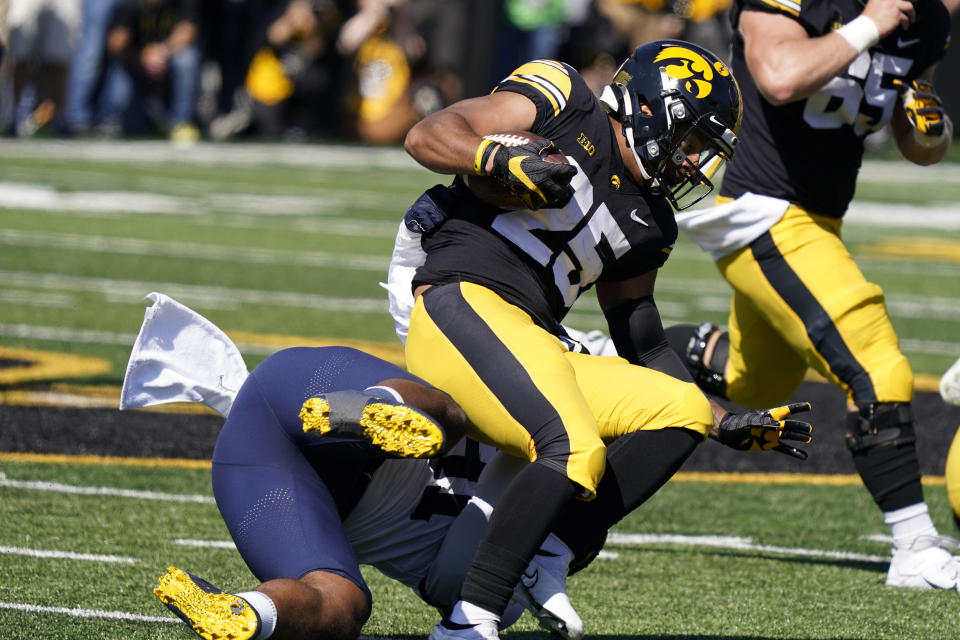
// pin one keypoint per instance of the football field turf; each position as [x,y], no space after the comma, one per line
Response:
[282,245]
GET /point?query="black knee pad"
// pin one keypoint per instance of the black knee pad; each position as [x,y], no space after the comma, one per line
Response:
[690,342]
[880,424]
[882,441]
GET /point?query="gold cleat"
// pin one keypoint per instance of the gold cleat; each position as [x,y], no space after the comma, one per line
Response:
[211,613]
[397,429]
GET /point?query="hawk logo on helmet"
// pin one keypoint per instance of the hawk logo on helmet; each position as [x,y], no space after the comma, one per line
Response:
[692,67]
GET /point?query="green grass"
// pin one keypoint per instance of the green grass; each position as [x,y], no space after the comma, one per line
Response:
[646,591]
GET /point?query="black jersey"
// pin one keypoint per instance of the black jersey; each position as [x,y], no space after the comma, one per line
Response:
[809,151]
[541,261]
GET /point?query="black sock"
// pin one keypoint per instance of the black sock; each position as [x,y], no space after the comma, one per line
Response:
[891,474]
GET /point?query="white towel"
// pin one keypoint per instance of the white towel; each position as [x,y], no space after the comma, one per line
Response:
[180,356]
[950,384]
[727,227]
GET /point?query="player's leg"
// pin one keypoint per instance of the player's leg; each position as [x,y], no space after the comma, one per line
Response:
[542,589]
[520,394]
[281,512]
[346,393]
[624,398]
[282,609]
[510,376]
[652,423]
[750,363]
[379,415]
[655,422]
[802,279]
[951,475]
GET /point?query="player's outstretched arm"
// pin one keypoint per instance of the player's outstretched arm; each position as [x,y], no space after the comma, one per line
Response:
[765,430]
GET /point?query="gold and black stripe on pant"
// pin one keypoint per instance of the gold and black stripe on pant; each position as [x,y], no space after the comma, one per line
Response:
[526,394]
[801,302]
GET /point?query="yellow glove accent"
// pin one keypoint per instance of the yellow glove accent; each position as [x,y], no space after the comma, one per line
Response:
[924,110]
[480,156]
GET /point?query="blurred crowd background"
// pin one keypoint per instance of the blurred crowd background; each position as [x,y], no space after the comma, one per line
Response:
[361,70]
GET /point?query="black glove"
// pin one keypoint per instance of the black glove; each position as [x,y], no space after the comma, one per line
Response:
[923,107]
[537,182]
[765,429]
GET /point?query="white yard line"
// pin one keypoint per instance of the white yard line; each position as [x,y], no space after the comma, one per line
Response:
[203,296]
[193,250]
[62,334]
[205,544]
[206,153]
[736,543]
[39,197]
[877,214]
[77,612]
[639,539]
[66,555]
[940,307]
[93,336]
[110,204]
[739,544]
[58,487]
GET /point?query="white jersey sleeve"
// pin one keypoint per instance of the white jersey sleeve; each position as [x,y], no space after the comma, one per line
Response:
[407,256]
[394,526]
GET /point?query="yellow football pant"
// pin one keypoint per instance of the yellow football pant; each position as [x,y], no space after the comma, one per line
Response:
[952,474]
[800,301]
[526,394]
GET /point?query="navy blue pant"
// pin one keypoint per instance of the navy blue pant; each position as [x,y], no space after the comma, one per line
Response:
[283,493]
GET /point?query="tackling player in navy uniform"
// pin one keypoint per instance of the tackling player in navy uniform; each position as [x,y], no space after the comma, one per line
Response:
[496,283]
[817,77]
[305,510]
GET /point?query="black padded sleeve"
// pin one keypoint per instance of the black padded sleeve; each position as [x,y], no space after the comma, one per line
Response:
[637,333]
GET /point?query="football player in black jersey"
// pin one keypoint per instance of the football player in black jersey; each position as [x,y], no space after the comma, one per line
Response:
[496,283]
[817,77]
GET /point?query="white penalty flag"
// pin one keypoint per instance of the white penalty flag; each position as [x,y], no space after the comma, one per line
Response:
[180,356]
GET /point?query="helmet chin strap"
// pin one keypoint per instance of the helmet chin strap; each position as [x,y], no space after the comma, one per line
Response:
[615,99]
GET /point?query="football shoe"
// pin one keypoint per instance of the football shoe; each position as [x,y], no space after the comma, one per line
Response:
[211,613]
[449,630]
[397,429]
[926,564]
[543,591]
[950,384]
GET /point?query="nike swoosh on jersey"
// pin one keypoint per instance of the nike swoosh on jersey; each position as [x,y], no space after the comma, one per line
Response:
[903,44]
[636,218]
